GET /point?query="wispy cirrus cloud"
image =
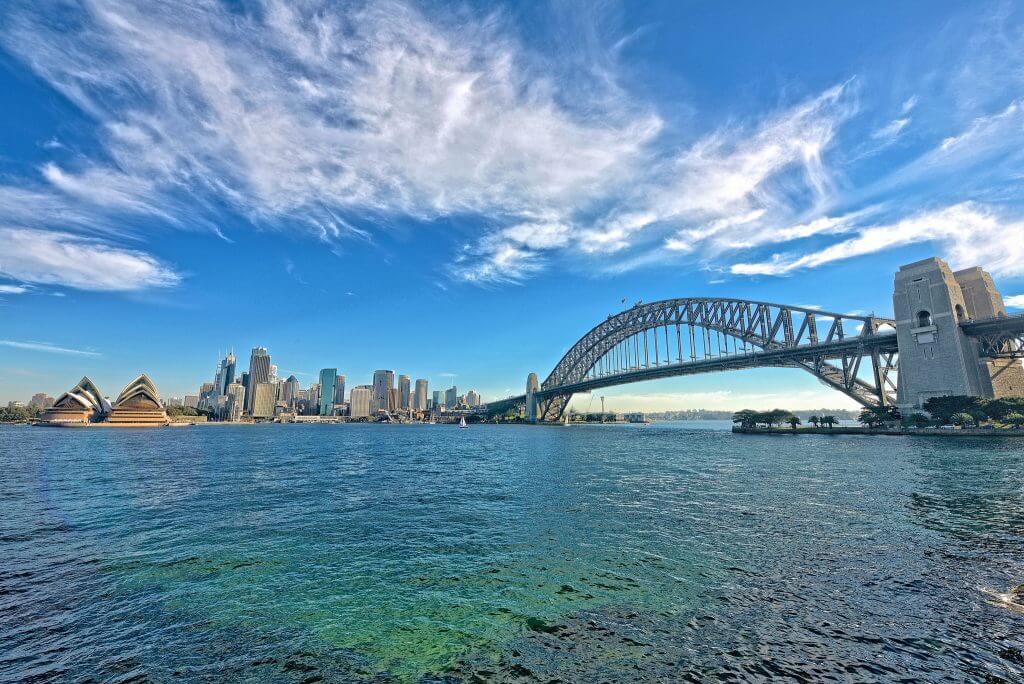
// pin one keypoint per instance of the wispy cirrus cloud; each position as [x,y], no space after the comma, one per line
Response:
[56,258]
[968,234]
[330,117]
[47,347]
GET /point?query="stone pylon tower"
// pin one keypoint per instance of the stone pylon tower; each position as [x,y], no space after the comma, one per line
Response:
[930,302]
[531,401]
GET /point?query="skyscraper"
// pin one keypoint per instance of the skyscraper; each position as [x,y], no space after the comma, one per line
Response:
[451,397]
[259,373]
[420,398]
[359,401]
[225,374]
[339,389]
[236,400]
[394,399]
[403,391]
[290,390]
[438,399]
[383,383]
[472,399]
[263,400]
[328,378]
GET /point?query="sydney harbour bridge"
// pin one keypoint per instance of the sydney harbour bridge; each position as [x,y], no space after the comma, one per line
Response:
[858,355]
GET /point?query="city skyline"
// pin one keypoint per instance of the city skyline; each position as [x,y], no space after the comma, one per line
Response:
[530,169]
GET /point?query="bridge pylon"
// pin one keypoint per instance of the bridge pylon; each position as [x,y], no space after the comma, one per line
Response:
[532,386]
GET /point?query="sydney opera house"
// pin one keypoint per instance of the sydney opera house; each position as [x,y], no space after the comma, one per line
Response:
[138,405]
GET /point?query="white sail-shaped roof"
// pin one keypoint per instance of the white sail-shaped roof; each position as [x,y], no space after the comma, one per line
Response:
[86,395]
[139,388]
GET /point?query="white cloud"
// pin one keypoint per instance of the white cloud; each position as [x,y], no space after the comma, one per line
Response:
[1014,301]
[968,234]
[12,289]
[892,129]
[301,109]
[47,347]
[36,256]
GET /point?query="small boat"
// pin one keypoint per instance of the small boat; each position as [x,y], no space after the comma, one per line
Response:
[462,422]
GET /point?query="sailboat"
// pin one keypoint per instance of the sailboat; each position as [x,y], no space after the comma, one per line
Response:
[462,422]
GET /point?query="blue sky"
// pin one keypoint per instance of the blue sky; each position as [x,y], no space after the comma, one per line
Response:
[458,192]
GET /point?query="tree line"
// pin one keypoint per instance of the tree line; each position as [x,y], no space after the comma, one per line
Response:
[962,411]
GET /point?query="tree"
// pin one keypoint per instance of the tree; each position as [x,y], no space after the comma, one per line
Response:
[998,409]
[776,417]
[18,414]
[745,418]
[829,421]
[869,417]
[877,415]
[918,419]
[943,408]
[814,420]
[793,421]
[1014,419]
[962,419]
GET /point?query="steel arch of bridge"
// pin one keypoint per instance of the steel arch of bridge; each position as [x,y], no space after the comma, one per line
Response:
[728,334]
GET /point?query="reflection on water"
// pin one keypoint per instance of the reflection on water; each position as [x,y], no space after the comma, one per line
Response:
[426,553]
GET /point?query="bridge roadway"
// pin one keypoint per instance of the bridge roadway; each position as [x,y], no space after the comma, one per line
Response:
[1001,337]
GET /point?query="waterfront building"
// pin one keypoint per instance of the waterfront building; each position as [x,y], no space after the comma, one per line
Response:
[81,404]
[259,373]
[404,391]
[472,399]
[394,399]
[339,389]
[190,401]
[383,383]
[420,398]
[138,405]
[451,397]
[438,399]
[236,401]
[360,401]
[41,401]
[263,400]
[328,377]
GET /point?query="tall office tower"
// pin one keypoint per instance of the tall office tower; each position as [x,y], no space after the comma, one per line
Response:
[328,376]
[394,399]
[339,389]
[403,391]
[438,399]
[359,401]
[273,374]
[420,398]
[236,401]
[290,390]
[225,374]
[383,383]
[263,400]
[259,372]
[451,397]
[472,399]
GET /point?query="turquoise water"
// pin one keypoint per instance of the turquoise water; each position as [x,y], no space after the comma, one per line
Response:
[508,553]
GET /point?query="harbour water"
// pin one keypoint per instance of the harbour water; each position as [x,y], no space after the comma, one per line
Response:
[510,553]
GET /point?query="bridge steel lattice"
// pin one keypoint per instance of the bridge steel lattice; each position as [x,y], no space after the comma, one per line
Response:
[700,335]
[998,338]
